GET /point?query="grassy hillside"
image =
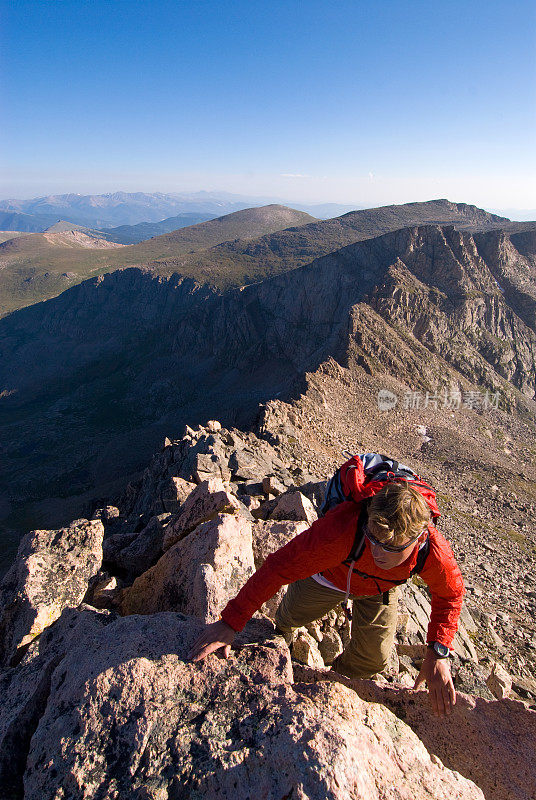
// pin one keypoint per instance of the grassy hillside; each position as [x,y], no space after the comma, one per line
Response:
[5,235]
[34,268]
[236,263]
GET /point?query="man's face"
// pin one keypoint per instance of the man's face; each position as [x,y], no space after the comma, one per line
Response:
[386,559]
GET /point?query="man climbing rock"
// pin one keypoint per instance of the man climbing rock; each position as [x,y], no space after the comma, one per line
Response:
[387,529]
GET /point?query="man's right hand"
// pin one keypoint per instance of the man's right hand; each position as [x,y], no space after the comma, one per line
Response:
[216,635]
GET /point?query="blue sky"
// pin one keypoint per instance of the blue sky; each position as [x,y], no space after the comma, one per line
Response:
[359,102]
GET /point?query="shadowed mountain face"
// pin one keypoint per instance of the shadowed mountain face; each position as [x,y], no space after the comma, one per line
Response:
[92,380]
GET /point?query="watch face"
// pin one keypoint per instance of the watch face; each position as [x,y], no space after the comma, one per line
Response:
[441,649]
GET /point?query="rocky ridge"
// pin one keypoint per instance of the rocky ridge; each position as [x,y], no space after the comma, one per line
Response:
[74,238]
[101,692]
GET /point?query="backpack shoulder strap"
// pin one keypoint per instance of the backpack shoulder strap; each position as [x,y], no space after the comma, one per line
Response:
[422,556]
[359,538]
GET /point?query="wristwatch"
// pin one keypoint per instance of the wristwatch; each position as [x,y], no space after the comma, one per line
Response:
[441,650]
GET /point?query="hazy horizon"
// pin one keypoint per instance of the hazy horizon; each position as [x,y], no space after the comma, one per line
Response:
[515,214]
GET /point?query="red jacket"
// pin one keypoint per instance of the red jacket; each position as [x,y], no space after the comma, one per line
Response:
[322,548]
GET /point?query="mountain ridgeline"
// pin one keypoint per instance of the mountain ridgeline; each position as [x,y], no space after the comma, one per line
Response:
[120,208]
[92,380]
[42,265]
[238,248]
[233,263]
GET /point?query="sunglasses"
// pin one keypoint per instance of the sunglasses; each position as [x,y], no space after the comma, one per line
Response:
[391,548]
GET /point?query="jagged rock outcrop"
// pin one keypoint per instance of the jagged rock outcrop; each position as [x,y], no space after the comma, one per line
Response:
[502,766]
[108,704]
[207,500]
[229,458]
[127,716]
[293,506]
[511,258]
[159,589]
[198,574]
[51,572]
[471,329]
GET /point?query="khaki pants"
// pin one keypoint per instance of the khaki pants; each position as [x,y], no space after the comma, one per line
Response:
[373,624]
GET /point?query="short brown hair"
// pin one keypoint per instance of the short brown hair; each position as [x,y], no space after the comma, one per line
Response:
[398,512]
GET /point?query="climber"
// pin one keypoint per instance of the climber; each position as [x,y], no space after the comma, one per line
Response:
[396,523]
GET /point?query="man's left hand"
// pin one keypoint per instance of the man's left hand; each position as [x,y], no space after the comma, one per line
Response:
[436,673]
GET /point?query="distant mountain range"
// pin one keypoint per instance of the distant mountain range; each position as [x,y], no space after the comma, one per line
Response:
[122,208]
[133,234]
[131,208]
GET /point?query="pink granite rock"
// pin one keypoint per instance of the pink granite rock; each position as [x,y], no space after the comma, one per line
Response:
[491,742]
[208,499]
[51,572]
[331,646]
[128,717]
[269,536]
[175,492]
[499,682]
[294,506]
[199,574]
[305,650]
[24,690]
